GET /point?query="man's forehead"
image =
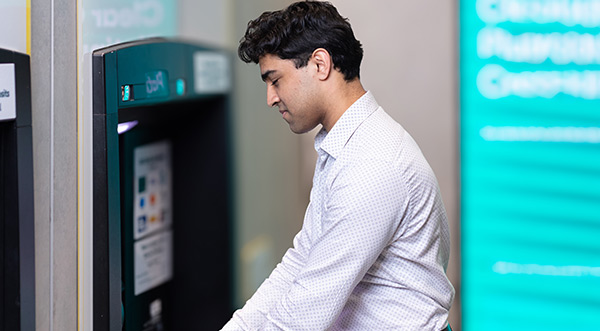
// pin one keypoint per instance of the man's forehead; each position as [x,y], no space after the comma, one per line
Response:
[269,65]
[273,64]
[267,74]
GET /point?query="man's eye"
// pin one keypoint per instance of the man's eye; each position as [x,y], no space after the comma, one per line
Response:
[274,83]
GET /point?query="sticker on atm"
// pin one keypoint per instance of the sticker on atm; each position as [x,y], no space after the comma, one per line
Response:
[211,72]
[8,109]
[152,189]
[153,261]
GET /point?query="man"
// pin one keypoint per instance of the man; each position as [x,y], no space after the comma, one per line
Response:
[374,245]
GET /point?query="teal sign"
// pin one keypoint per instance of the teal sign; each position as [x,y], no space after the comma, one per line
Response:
[530,164]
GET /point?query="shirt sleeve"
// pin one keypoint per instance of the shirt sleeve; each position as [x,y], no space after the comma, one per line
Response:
[254,313]
[361,213]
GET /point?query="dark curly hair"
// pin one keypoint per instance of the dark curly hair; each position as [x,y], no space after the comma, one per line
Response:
[295,32]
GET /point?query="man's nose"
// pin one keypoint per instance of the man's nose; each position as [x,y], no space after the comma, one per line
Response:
[272,97]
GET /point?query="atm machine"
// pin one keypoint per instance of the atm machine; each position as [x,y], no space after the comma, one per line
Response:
[159,187]
[17,264]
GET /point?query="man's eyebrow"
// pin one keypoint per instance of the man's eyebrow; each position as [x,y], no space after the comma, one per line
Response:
[267,74]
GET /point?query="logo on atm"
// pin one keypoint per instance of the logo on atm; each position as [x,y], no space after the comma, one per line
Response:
[141,184]
[142,223]
[157,84]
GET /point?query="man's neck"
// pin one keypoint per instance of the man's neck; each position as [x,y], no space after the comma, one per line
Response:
[342,96]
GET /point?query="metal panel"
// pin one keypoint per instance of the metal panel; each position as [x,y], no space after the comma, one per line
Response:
[54,78]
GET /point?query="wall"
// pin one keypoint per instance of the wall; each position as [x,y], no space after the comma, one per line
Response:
[209,22]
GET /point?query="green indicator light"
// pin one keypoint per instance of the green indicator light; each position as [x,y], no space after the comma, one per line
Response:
[180,86]
[126,92]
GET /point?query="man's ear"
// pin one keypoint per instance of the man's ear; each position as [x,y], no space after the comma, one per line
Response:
[323,62]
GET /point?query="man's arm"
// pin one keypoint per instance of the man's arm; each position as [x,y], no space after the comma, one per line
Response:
[361,215]
[254,313]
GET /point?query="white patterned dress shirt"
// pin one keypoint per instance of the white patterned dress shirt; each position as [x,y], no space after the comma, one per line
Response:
[374,245]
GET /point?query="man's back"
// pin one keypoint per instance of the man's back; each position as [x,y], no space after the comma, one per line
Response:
[406,286]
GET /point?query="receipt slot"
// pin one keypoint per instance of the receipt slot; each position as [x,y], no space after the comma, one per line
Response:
[159,190]
[17,279]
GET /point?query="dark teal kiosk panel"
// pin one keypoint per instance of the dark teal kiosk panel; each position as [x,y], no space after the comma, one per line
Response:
[17,264]
[161,187]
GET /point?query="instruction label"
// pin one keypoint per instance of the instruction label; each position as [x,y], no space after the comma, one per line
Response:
[152,189]
[8,108]
[153,261]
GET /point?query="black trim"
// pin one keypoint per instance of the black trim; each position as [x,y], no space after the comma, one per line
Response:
[100,196]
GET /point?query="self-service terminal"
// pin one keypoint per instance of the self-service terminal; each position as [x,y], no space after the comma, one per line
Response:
[160,187]
[17,264]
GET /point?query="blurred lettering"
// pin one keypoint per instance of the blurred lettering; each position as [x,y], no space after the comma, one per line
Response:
[535,48]
[545,270]
[148,14]
[494,82]
[557,134]
[567,12]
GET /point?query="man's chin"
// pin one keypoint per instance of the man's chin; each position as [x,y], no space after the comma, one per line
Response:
[295,129]
[299,130]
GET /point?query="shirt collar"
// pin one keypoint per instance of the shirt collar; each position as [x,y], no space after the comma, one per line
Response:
[333,142]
